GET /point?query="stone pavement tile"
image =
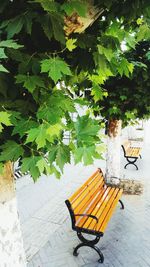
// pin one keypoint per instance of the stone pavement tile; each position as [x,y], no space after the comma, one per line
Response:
[79,260]
[145,257]
[30,264]
[71,262]
[37,261]
[94,264]
[30,250]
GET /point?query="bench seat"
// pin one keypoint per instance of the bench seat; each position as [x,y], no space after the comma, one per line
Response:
[92,206]
[133,152]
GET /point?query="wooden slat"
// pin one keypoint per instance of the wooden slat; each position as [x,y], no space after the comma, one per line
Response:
[88,199]
[79,191]
[100,209]
[126,144]
[106,210]
[89,190]
[133,152]
[84,222]
[111,210]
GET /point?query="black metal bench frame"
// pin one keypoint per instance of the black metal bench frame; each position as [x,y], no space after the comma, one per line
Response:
[85,241]
[131,160]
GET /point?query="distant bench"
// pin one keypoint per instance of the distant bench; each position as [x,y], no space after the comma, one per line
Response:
[131,153]
[91,208]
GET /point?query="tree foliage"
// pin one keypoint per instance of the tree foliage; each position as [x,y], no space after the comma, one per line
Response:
[44,65]
[128,98]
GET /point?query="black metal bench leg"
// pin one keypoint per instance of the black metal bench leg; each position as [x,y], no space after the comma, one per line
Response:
[122,205]
[135,166]
[89,243]
[75,253]
[131,162]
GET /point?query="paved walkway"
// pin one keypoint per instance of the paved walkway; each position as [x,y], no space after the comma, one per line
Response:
[48,238]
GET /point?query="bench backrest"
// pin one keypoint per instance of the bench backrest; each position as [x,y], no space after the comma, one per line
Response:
[82,199]
[125,146]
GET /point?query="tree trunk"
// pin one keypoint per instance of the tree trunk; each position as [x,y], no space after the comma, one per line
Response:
[11,242]
[113,151]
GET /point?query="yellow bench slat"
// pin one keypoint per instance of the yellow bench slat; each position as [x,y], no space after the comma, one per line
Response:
[102,194]
[83,187]
[103,209]
[109,214]
[88,190]
[88,199]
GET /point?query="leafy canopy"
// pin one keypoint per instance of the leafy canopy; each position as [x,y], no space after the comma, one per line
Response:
[46,65]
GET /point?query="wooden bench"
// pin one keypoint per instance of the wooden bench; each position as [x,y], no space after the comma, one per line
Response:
[131,153]
[91,208]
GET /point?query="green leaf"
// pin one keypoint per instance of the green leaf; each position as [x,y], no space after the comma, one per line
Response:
[56,68]
[70,44]
[2,53]
[29,164]
[49,6]
[52,154]
[86,130]
[139,64]
[22,126]
[79,7]
[43,166]
[56,172]
[107,52]
[59,153]
[115,30]
[130,115]
[46,24]
[78,154]
[143,33]
[53,113]
[85,154]
[124,67]
[38,135]
[57,26]
[123,97]
[53,25]
[55,130]
[148,55]
[130,40]
[28,20]
[97,93]
[63,156]
[30,82]
[4,119]
[130,67]
[10,44]
[1,168]
[140,21]
[113,110]
[2,69]
[11,151]
[97,79]
[14,26]
[103,69]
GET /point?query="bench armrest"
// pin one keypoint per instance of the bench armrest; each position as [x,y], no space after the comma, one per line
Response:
[88,215]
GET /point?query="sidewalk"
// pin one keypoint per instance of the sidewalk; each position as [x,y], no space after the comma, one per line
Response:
[47,233]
